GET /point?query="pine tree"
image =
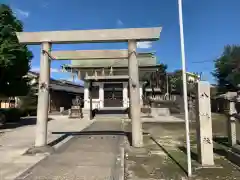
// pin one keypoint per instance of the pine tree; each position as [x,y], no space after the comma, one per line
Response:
[14,57]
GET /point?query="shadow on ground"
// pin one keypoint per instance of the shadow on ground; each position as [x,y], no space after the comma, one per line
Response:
[117,111]
[170,156]
[223,140]
[93,133]
[85,133]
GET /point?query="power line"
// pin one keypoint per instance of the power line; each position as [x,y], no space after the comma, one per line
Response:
[207,61]
[195,62]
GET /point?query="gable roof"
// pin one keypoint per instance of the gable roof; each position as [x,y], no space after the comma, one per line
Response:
[62,85]
[145,59]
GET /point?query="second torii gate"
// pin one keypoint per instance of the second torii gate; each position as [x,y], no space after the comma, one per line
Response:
[131,35]
[80,55]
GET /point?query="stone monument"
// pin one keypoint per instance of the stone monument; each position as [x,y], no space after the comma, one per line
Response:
[76,109]
[204,125]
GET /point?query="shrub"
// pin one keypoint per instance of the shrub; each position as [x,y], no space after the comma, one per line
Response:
[11,114]
[2,118]
[31,111]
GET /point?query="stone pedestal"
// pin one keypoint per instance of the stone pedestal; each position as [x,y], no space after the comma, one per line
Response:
[204,125]
[61,110]
[40,150]
[76,112]
[160,112]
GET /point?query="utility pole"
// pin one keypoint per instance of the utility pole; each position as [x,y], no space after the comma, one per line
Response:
[185,89]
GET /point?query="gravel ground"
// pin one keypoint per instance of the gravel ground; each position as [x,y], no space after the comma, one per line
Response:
[164,154]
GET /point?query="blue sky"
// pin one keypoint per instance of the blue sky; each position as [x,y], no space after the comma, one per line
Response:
[209,25]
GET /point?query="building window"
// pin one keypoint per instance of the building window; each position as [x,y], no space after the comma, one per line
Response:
[95,92]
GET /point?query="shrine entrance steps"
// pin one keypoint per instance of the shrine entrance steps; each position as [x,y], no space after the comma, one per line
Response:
[111,113]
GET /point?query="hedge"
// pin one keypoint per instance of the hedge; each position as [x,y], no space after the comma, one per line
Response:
[12,114]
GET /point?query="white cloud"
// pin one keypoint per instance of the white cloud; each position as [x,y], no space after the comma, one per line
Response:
[70,79]
[52,70]
[45,4]
[67,79]
[119,22]
[21,13]
[144,45]
[55,70]
[35,69]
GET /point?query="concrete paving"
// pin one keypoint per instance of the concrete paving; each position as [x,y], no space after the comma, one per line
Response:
[167,119]
[14,143]
[92,154]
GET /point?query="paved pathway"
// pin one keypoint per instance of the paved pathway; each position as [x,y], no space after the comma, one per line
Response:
[14,143]
[91,155]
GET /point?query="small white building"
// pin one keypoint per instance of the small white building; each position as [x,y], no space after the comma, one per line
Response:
[111,91]
[193,77]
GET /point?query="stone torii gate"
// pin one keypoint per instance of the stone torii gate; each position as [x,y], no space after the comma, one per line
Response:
[46,38]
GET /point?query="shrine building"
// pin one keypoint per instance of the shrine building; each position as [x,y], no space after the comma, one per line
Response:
[111,91]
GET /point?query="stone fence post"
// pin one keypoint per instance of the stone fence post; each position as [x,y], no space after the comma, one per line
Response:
[231,122]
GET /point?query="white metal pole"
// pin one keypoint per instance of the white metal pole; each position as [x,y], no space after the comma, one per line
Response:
[185,89]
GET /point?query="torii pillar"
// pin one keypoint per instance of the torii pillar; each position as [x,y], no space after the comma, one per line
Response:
[43,96]
[43,102]
[137,137]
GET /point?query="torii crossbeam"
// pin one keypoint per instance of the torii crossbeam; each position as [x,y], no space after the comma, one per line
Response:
[90,54]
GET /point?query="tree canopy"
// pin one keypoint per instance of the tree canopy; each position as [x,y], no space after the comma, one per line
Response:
[14,57]
[176,83]
[156,78]
[227,69]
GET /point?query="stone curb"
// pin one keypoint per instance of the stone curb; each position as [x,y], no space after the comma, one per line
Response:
[119,168]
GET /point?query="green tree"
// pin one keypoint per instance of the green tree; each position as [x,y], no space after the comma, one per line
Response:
[158,78]
[154,79]
[14,57]
[176,84]
[29,102]
[227,69]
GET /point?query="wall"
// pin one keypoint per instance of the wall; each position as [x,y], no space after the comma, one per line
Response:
[7,102]
[220,105]
[61,99]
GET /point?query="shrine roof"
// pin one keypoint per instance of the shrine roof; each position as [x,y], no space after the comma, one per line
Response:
[107,78]
[144,59]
